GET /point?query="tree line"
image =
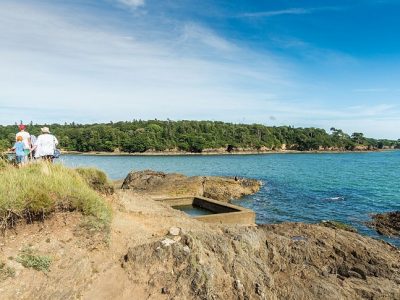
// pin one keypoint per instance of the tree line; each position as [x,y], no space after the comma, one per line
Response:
[195,136]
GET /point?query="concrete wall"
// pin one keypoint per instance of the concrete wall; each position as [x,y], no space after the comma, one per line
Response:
[241,217]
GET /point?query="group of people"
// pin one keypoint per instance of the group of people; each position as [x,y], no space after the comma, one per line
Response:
[28,147]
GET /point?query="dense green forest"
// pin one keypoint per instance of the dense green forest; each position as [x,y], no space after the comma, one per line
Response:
[195,136]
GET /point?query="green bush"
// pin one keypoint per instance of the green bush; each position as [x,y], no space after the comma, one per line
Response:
[29,258]
[39,189]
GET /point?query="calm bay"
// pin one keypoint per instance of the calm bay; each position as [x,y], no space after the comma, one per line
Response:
[345,187]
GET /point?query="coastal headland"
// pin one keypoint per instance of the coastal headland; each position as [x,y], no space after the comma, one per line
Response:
[221,152]
[158,137]
[149,250]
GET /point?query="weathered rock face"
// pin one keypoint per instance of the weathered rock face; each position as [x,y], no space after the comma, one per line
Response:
[162,184]
[387,223]
[286,261]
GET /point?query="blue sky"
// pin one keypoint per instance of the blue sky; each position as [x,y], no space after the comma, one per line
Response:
[302,63]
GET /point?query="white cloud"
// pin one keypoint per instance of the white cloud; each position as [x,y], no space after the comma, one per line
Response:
[288,11]
[132,3]
[197,33]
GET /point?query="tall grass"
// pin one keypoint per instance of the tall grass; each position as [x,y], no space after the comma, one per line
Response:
[39,189]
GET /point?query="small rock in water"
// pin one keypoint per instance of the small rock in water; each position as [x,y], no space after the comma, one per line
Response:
[174,231]
[167,242]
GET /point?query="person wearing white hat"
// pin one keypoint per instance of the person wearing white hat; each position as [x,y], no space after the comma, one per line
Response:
[45,145]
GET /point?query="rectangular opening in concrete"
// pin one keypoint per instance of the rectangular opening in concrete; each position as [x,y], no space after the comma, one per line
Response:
[210,210]
[193,210]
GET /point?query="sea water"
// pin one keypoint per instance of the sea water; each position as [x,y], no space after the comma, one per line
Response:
[345,187]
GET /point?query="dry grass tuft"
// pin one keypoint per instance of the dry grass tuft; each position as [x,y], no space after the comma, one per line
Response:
[38,189]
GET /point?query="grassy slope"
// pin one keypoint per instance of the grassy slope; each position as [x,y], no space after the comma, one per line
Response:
[39,189]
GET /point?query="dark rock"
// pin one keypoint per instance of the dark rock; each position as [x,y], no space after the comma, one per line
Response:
[343,270]
[258,289]
[355,274]
[339,252]
[341,277]
[338,225]
[354,253]
[360,271]
[386,224]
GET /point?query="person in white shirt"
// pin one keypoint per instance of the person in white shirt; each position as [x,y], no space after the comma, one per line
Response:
[26,139]
[45,145]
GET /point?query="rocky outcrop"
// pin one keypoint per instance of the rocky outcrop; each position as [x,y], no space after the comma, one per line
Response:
[386,224]
[286,261]
[162,184]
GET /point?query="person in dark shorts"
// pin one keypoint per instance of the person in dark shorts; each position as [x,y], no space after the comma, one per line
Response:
[19,148]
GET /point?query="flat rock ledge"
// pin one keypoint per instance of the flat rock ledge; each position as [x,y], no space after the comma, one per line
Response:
[386,224]
[163,184]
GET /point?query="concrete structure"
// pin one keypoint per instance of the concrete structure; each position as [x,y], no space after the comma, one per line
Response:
[221,212]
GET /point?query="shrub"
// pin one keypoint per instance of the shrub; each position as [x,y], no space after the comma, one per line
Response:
[29,258]
[39,189]
[96,179]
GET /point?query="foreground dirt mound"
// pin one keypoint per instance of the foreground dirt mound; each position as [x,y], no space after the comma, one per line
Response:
[387,223]
[162,184]
[288,261]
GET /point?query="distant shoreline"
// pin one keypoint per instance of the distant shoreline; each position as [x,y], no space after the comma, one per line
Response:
[216,153]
